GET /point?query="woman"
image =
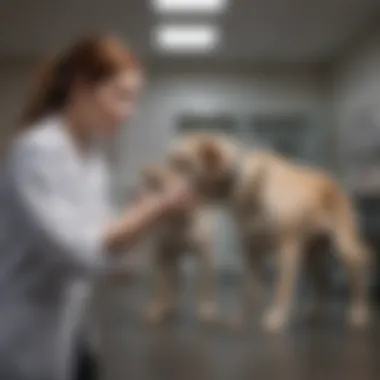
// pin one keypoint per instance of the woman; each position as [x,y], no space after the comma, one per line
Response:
[57,230]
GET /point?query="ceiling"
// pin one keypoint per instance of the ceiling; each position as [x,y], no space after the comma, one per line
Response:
[253,30]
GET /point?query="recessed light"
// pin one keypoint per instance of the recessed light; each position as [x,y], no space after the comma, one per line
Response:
[186,38]
[189,6]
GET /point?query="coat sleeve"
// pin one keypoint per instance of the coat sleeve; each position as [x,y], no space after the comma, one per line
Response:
[61,226]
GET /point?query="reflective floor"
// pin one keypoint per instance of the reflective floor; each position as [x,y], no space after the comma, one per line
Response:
[184,350]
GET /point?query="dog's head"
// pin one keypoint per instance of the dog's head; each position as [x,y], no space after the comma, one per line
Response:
[208,160]
[160,178]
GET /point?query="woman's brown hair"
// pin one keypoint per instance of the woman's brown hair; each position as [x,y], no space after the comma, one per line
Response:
[92,59]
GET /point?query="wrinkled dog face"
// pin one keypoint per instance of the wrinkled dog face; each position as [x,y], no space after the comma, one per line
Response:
[208,160]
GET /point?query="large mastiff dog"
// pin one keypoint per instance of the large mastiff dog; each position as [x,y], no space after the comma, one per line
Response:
[287,203]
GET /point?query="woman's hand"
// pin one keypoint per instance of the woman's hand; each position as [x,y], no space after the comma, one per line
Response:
[145,211]
[179,198]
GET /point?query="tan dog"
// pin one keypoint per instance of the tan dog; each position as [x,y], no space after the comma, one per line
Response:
[283,202]
[181,233]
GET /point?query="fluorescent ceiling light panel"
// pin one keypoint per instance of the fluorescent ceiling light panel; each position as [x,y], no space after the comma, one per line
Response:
[186,38]
[189,6]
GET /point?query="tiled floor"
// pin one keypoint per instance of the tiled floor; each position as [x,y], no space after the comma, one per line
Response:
[184,350]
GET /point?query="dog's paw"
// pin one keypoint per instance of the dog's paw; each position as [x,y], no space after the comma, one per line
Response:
[359,316]
[275,320]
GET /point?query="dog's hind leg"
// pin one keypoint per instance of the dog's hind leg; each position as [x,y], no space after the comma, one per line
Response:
[289,257]
[354,256]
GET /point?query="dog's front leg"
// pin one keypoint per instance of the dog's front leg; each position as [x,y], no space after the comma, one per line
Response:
[207,307]
[201,240]
[251,288]
[165,285]
[289,256]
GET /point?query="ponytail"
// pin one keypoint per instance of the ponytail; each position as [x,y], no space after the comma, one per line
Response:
[46,93]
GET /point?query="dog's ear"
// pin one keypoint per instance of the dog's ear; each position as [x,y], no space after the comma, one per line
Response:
[210,153]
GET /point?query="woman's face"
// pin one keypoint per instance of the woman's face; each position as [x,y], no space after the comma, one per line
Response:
[112,101]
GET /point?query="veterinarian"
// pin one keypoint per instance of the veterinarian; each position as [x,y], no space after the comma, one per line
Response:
[57,233]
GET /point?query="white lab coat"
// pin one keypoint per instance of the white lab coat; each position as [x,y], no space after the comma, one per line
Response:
[54,206]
